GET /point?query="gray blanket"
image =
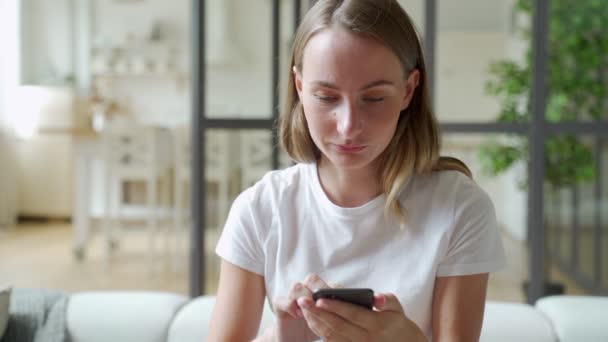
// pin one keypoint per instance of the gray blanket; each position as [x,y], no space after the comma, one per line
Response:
[37,316]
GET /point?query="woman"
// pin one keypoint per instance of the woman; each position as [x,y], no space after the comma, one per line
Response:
[369,204]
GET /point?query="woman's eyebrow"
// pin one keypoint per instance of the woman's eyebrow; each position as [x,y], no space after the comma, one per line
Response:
[378,83]
[367,86]
[324,84]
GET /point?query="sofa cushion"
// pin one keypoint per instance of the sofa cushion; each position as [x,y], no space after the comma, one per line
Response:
[507,322]
[577,318]
[36,315]
[122,316]
[192,320]
[5,297]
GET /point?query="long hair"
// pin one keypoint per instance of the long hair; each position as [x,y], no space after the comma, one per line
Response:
[414,148]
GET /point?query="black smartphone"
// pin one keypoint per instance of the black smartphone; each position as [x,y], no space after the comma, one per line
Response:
[362,297]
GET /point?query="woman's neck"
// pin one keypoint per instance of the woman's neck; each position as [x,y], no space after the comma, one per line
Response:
[348,188]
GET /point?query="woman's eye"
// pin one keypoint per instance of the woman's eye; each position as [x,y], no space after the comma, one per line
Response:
[373,99]
[326,98]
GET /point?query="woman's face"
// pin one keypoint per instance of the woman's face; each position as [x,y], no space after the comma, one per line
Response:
[352,89]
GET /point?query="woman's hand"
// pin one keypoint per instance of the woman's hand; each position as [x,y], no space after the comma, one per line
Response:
[334,320]
[291,325]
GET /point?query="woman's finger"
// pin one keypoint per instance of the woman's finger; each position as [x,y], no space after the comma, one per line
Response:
[329,326]
[314,282]
[299,290]
[387,302]
[284,306]
[363,318]
[289,304]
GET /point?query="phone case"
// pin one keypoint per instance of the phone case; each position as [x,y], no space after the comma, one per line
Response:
[362,297]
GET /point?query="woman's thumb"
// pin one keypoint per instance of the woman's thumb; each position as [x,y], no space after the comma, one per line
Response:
[387,302]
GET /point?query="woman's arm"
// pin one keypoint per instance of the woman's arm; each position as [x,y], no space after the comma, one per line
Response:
[458,306]
[239,304]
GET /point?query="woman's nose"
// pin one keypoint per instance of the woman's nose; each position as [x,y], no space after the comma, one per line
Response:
[348,120]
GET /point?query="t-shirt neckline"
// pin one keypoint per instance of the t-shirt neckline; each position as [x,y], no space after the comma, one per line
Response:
[331,207]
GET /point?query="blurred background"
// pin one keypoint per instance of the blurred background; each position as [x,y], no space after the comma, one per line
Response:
[96,100]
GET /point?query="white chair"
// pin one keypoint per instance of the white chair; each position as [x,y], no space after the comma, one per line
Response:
[134,152]
[218,177]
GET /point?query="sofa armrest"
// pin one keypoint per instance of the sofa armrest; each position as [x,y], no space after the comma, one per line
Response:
[577,318]
[507,322]
[121,316]
[191,324]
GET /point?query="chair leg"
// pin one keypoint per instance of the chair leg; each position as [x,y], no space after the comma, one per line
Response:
[116,228]
[106,222]
[151,194]
[177,219]
[108,217]
[166,203]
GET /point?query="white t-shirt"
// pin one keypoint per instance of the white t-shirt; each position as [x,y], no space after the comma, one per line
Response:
[285,227]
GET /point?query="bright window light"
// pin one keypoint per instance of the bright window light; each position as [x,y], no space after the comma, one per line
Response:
[28,105]
[10,66]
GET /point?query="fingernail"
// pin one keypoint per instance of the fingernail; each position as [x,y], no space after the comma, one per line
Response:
[381,300]
[304,303]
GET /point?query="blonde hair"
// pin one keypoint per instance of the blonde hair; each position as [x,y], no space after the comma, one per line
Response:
[414,148]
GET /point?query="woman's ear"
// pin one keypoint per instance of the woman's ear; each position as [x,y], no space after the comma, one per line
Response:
[413,79]
[297,80]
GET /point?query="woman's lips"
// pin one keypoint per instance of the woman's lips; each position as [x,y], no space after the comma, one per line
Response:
[348,148]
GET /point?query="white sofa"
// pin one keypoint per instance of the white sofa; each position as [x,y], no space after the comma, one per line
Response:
[165,317]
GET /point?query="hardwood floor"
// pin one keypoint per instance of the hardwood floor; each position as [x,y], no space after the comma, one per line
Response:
[41,256]
[35,255]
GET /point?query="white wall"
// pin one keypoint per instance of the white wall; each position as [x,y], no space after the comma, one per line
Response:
[45,177]
[47,55]
[461,73]
[44,161]
[9,77]
[461,15]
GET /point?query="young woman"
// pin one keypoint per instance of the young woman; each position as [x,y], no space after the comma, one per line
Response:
[369,204]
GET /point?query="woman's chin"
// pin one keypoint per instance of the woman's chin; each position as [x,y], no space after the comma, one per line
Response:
[350,161]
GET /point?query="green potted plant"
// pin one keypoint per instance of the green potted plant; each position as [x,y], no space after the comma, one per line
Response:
[577,80]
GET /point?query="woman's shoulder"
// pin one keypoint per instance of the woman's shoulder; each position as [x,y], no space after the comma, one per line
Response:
[260,202]
[277,184]
[447,185]
[284,179]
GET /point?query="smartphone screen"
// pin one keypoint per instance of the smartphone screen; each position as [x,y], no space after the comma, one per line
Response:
[362,297]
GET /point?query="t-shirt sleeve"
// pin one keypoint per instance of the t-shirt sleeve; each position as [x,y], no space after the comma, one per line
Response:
[475,245]
[240,242]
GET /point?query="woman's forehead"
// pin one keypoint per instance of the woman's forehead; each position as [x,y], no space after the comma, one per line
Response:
[337,53]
